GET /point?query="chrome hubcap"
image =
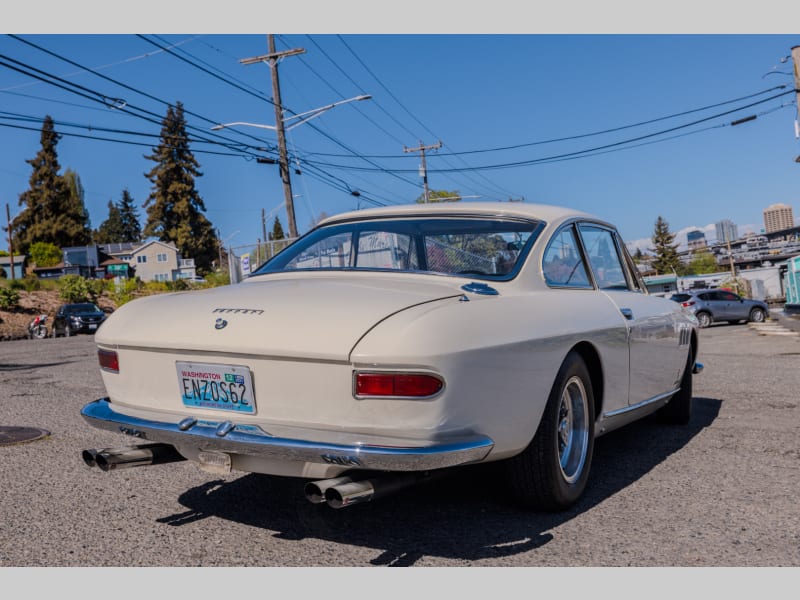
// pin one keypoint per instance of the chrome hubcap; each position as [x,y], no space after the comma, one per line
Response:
[573,430]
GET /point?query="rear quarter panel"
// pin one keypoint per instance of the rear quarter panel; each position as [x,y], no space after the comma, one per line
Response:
[500,355]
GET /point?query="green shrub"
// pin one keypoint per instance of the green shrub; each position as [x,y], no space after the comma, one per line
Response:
[9,298]
[16,284]
[31,283]
[125,292]
[73,289]
[217,278]
[95,288]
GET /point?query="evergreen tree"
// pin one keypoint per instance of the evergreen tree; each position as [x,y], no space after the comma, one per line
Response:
[129,216]
[110,230]
[122,225]
[53,206]
[174,207]
[665,251]
[277,230]
[78,221]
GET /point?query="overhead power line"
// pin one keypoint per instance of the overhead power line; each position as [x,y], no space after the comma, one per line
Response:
[586,151]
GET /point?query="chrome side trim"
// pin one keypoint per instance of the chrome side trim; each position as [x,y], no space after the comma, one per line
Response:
[255,442]
[641,404]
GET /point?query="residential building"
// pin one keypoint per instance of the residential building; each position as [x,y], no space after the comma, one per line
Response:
[696,239]
[82,260]
[160,261]
[727,231]
[778,217]
[20,262]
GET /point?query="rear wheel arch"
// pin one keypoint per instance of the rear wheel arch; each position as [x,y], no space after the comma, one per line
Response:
[591,358]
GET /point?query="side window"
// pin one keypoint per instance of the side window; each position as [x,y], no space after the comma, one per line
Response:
[563,264]
[603,257]
[634,277]
[728,296]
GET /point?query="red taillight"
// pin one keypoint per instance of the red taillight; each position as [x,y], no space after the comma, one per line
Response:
[689,303]
[404,385]
[109,361]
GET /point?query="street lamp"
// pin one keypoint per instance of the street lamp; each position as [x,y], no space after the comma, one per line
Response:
[282,126]
[304,117]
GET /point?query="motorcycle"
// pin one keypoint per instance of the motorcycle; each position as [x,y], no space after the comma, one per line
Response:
[37,328]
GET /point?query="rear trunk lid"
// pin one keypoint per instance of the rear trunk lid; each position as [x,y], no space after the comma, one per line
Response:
[313,316]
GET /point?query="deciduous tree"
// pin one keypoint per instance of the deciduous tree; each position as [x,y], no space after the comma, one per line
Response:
[440,196]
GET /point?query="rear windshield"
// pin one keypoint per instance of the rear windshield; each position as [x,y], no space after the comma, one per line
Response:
[680,297]
[481,247]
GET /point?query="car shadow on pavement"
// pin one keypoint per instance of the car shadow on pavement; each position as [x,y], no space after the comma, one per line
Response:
[464,515]
[32,366]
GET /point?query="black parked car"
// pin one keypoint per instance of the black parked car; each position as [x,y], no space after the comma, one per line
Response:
[714,305]
[84,317]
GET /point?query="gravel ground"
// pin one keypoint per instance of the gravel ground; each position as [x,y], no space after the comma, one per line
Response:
[720,492]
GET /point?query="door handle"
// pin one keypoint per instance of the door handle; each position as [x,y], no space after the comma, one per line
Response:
[627,313]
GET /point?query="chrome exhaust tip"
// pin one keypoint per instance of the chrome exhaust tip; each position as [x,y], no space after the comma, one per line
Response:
[315,490]
[110,459]
[357,492]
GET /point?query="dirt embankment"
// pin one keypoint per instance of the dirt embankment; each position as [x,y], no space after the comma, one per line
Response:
[14,323]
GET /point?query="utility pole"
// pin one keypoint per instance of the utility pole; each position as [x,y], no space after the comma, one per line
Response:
[796,69]
[424,169]
[10,245]
[272,60]
[730,261]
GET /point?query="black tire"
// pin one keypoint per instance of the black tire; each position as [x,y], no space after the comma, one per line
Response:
[757,315]
[704,319]
[678,411]
[551,473]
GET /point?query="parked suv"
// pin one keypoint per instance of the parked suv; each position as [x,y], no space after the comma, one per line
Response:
[83,317]
[721,305]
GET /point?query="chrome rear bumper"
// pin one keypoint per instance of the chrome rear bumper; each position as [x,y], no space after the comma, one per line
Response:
[349,451]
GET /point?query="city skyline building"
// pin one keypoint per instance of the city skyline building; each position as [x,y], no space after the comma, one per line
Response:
[696,239]
[727,230]
[778,217]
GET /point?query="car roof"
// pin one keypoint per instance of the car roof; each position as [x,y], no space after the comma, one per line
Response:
[543,212]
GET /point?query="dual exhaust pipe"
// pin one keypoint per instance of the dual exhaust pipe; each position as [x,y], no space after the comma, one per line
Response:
[109,459]
[357,488]
[338,492]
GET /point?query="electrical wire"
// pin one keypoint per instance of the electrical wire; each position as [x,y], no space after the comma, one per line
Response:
[588,150]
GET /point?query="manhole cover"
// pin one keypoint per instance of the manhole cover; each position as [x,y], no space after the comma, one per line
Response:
[20,435]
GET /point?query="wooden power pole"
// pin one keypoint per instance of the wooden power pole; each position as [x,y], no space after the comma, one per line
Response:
[10,244]
[271,60]
[796,69]
[424,169]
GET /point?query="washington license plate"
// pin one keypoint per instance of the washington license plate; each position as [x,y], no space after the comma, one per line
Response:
[219,387]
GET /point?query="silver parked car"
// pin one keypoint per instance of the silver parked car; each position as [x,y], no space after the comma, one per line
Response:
[721,305]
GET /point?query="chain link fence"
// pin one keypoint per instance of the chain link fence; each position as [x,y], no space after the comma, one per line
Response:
[245,259]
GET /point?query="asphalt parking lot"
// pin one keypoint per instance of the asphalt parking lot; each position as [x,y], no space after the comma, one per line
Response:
[718,492]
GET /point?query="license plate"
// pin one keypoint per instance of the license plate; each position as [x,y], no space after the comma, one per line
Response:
[219,387]
[92,326]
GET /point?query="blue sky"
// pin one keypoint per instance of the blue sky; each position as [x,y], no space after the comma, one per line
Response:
[476,93]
